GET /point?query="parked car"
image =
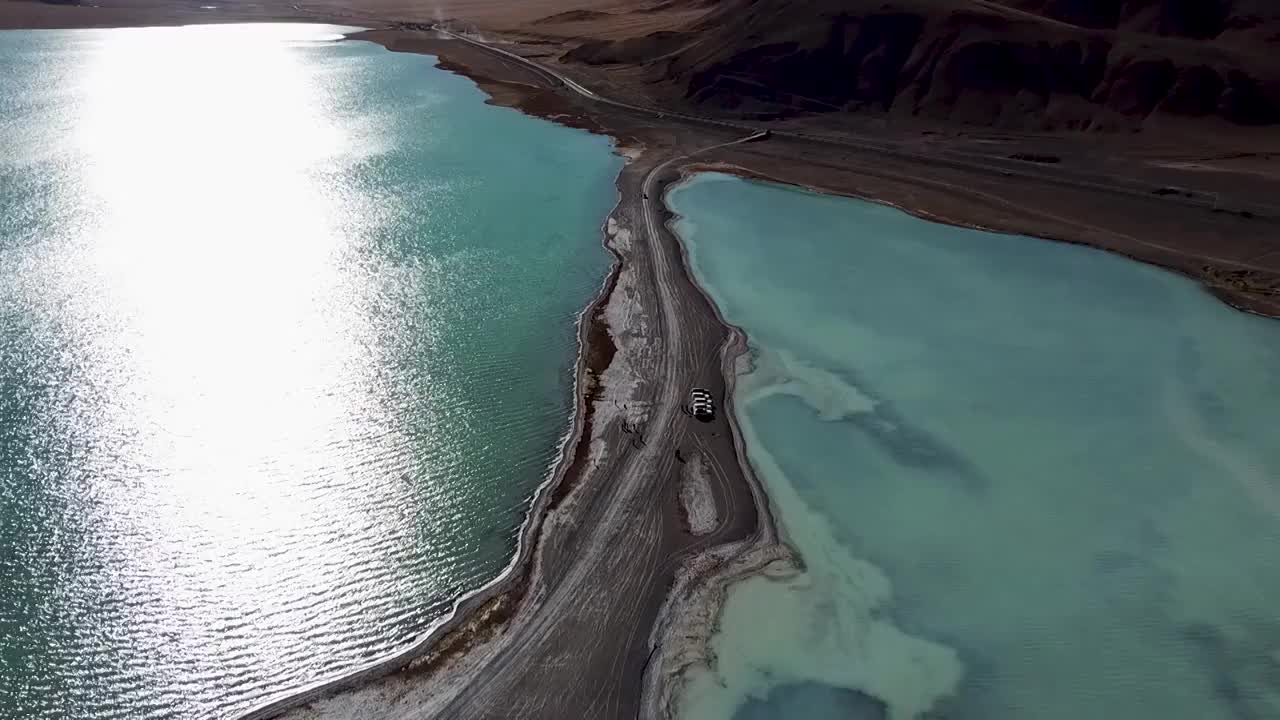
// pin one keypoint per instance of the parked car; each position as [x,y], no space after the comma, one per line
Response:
[700,404]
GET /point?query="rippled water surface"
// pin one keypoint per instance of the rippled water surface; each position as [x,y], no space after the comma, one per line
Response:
[286,326]
[1027,480]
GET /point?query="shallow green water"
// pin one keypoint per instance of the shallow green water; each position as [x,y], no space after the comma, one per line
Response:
[1026,479]
[286,330]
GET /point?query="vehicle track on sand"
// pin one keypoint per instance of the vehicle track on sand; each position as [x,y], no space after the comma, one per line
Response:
[580,644]
[603,556]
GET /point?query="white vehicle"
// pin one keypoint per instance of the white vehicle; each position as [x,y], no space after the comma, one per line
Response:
[700,405]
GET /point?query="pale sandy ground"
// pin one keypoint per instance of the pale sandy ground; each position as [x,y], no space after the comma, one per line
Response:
[696,501]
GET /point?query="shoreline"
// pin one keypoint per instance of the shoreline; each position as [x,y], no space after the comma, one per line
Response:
[1031,203]
[474,615]
[749,174]
[691,606]
[690,614]
[479,616]
[1233,254]
[489,610]
[527,568]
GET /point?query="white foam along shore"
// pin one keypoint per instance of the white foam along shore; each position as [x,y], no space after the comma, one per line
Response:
[696,605]
[682,633]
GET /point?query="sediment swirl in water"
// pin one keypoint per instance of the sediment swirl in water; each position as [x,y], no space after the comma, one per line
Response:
[1026,479]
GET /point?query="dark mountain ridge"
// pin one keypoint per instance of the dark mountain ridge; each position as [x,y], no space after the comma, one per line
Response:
[1018,64]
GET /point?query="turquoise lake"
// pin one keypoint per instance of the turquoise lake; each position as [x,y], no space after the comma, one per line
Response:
[286,339]
[1026,479]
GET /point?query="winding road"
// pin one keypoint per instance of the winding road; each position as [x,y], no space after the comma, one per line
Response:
[946,158]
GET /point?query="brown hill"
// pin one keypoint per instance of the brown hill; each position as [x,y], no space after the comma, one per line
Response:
[1232,20]
[1015,64]
[1024,64]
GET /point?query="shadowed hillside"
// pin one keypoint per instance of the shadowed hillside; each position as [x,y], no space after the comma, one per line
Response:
[1036,65]
[1019,64]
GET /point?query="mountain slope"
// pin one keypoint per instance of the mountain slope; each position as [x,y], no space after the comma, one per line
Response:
[1025,64]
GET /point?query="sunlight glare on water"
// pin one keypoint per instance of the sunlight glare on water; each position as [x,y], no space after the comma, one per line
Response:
[287,328]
